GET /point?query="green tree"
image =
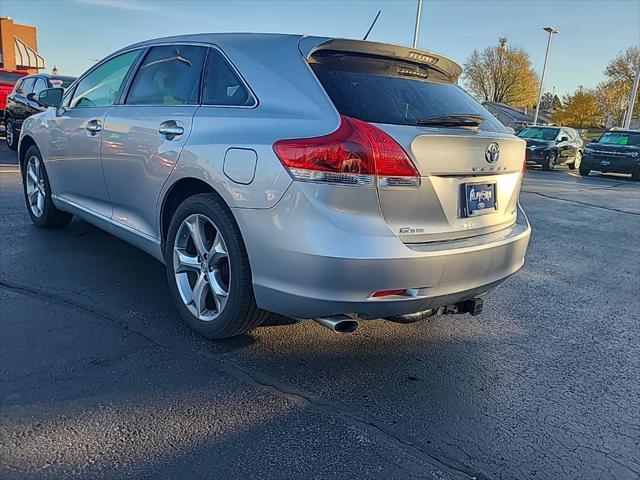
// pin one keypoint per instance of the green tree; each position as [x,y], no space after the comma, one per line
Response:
[579,109]
[502,73]
[549,102]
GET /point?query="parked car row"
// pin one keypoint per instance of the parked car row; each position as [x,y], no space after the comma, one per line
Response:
[616,151]
[22,102]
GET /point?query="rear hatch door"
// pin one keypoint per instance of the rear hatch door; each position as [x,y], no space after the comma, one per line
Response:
[470,175]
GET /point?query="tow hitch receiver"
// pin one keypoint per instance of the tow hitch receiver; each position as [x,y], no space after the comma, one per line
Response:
[473,306]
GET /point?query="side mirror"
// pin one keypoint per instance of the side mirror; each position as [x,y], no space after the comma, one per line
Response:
[50,97]
[32,97]
[564,139]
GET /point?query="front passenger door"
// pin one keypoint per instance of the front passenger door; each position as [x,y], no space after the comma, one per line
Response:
[32,106]
[564,146]
[20,111]
[75,136]
[143,137]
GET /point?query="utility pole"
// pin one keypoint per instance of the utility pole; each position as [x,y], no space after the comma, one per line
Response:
[417,29]
[551,31]
[632,99]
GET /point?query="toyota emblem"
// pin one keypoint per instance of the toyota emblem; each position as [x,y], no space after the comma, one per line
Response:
[492,153]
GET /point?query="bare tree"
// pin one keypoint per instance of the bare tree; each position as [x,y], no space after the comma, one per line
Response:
[502,73]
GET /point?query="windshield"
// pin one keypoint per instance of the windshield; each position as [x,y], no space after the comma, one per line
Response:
[383,90]
[620,138]
[539,133]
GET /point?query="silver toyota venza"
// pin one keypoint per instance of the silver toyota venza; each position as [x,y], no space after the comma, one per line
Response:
[313,177]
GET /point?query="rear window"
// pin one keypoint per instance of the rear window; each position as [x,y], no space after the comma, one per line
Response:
[382,90]
[61,82]
[620,138]
[10,77]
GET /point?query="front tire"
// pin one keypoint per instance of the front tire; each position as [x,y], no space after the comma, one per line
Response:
[584,171]
[11,135]
[208,269]
[550,162]
[37,193]
[635,175]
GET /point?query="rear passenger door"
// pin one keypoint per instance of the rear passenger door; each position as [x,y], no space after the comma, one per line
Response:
[143,136]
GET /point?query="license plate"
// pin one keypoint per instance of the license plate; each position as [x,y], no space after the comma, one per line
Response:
[480,198]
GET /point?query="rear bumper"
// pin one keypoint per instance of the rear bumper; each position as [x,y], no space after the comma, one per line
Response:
[305,269]
[611,164]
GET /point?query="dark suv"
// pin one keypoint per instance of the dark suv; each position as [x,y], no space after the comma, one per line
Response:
[550,146]
[616,151]
[21,102]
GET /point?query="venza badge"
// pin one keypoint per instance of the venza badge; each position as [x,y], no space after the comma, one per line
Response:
[492,153]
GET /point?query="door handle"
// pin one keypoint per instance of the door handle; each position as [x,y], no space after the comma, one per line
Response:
[93,127]
[170,129]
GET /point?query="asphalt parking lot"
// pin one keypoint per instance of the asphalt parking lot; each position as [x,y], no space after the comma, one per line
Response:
[100,380]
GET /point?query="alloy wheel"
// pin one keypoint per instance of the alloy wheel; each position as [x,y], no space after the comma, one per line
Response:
[9,132]
[201,267]
[578,160]
[34,179]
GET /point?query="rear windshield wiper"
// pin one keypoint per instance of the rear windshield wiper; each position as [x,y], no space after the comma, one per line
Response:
[453,120]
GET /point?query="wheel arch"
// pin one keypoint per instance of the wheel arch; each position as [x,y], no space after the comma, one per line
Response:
[177,193]
[26,143]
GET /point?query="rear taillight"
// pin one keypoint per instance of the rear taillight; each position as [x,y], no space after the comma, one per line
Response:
[357,153]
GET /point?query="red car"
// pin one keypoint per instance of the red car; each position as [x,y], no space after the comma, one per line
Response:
[8,79]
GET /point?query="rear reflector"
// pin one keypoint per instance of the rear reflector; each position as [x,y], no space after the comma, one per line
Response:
[357,153]
[388,293]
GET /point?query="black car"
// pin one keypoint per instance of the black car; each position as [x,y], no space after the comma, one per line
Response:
[550,146]
[21,102]
[616,151]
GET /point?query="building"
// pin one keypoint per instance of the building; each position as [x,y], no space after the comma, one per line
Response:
[514,117]
[19,46]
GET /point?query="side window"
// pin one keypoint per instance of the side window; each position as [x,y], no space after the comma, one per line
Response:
[222,86]
[169,75]
[27,86]
[18,87]
[40,85]
[100,87]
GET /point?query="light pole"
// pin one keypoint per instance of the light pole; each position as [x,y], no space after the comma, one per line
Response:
[632,99]
[417,29]
[551,31]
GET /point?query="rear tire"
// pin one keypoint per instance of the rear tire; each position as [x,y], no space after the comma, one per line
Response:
[576,163]
[550,162]
[11,135]
[37,193]
[208,269]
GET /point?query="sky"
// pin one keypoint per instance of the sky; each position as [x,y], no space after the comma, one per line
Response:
[72,34]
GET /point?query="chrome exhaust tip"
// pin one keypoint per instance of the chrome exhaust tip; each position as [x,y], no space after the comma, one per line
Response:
[338,323]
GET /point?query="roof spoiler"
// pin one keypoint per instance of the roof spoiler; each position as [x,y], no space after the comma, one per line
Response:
[310,45]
